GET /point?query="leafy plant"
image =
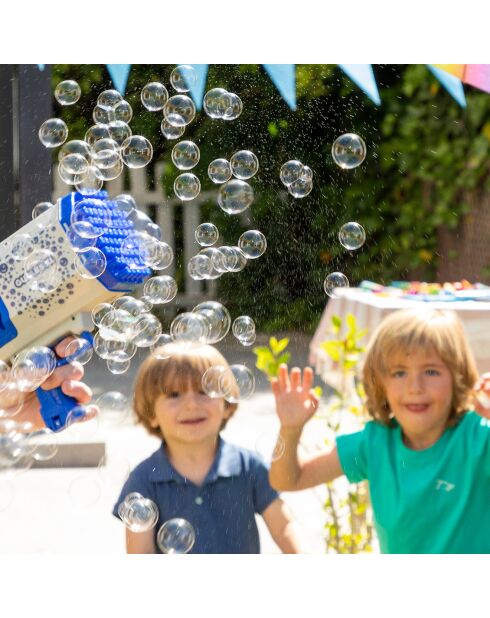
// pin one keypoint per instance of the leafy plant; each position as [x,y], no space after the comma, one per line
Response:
[270,357]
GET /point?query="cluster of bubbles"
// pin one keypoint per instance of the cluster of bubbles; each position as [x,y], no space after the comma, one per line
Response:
[220,104]
[234,383]
[298,178]
[108,145]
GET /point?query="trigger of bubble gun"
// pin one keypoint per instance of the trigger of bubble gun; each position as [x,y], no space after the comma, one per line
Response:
[29,318]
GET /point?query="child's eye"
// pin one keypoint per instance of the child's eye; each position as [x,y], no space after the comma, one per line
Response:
[398,374]
[173,394]
[432,372]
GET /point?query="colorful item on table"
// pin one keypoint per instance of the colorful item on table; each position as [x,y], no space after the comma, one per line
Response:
[421,290]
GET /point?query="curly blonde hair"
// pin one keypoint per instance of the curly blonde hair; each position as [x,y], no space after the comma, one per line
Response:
[415,329]
[180,366]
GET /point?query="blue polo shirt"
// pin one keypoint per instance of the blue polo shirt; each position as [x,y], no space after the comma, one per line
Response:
[221,511]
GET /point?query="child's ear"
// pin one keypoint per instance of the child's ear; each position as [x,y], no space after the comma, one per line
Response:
[153,422]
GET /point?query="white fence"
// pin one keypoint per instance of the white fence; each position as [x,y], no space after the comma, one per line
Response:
[137,183]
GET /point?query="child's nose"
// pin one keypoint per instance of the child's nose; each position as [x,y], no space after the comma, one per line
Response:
[415,383]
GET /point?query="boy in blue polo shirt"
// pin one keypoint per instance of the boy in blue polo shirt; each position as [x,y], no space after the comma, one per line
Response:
[426,453]
[195,474]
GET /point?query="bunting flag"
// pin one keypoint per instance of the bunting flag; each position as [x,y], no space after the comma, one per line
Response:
[119,74]
[450,82]
[197,89]
[477,75]
[362,75]
[41,67]
[283,77]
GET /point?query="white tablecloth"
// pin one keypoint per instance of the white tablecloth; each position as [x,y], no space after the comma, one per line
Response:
[369,309]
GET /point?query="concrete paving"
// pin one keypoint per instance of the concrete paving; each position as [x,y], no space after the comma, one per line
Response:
[68,509]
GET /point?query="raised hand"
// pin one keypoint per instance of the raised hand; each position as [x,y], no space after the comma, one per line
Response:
[482,396]
[296,403]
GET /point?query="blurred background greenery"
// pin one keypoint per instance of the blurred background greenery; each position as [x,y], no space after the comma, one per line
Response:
[427,166]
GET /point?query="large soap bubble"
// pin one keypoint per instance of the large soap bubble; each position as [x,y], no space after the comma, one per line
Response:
[67,92]
[352,235]
[183,77]
[154,96]
[244,164]
[176,536]
[349,151]
[253,244]
[190,327]
[187,187]
[219,171]
[218,318]
[179,110]
[53,132]
[136,151]
[333,281]
[235,196]
[185,155]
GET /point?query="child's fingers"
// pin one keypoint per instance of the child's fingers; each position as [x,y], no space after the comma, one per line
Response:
[275,387]
[295,378]
[283,378]
[308,378]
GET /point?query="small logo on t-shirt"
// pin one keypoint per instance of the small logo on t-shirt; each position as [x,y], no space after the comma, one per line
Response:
[444,485]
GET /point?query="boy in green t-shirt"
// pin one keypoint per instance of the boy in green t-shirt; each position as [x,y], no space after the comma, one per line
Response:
[425,455]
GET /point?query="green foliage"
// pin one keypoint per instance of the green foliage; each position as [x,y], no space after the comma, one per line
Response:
[345,351]
[270,358]
[425,158]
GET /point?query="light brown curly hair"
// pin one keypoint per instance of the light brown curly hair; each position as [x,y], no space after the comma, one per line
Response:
[180,367]
[415,329]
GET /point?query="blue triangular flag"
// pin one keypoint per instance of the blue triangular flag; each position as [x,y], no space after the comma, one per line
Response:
[284,79]
[451,83]
[41,67]
[119,74]
[197,90]
[363,76]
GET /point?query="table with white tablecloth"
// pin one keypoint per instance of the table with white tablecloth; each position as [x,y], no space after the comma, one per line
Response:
[369,309]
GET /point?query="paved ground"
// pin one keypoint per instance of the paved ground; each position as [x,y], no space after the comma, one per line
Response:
[68,510]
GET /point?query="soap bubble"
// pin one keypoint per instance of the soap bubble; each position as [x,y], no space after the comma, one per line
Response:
[118,350]
[95,133]
[99,311]
[67,92]
[179,110]
[4,374]
[134,306]
[101,115]
[253,244]
[217,316]
[234,108]
[217,260]
[176,536]
[183,78]
[154,96]
[245,381]
[216,102]
[143,248]
[187,187]
[243,327]
[90,229]
[84,491]
[44,444]
[53,132]
[165,256]
[139,515]
[74,164]
[206,234]
[270,447]
[41,208]
[35,365]
[248,341]
[158,349]
[200,267]
[22,246]
[126,203]
[118,367]
[235,196]
[217,381]
[12,399]
[123,111]
[349,151]
[42,271]
[120,131]
[75,146]
[161,289]
[333,281]
[300,188]
[244,164]
[118,325]
[352,235]
[90,263]
[90,182]
[170,131]
[219,171]
[79,350]
[290,172]
[234,259]
[114,407]
[67,177]
[190,327]
[306,173]
[108,99]
[136,151]
[148,329]
[185,155]
[101,145]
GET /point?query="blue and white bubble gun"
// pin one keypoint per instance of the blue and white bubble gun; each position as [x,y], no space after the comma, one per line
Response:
[42,254]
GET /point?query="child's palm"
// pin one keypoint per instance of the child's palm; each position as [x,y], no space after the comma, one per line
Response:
[295,401]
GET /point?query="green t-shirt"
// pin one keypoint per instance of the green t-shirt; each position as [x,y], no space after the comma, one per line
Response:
[432,501]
